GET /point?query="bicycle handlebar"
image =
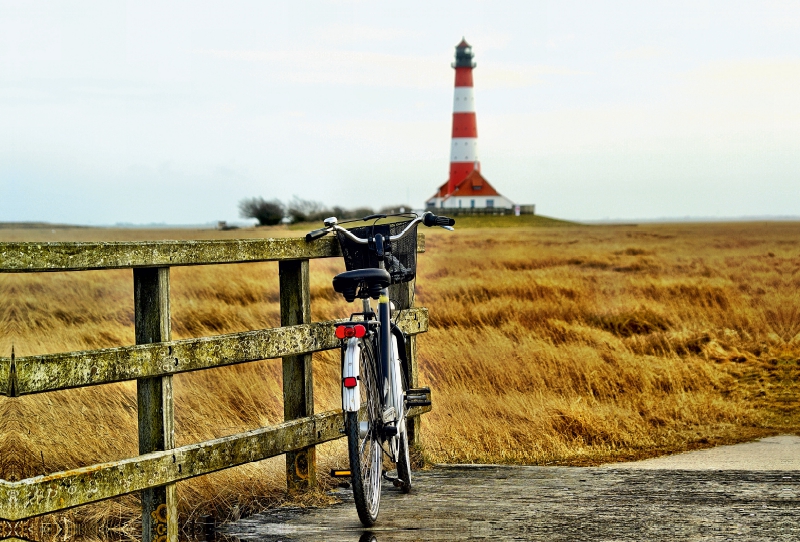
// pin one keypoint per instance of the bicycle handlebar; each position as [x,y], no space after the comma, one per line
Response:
[371,217]
[428,219]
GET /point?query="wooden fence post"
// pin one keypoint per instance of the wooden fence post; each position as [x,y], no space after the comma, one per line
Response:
[154,400]
[402,295]
[298,378]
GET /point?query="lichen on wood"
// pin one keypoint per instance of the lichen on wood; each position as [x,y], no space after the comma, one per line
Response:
[7,387]
[35,374]
[43,494]
[20,257]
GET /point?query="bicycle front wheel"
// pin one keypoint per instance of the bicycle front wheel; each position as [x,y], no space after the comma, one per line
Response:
[364,440]
[403,459]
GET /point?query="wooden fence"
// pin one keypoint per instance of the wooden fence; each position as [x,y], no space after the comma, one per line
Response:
[156,358]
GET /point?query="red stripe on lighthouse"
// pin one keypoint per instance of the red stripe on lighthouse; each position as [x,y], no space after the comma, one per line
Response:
[465,125]
[463,77]
[460,170]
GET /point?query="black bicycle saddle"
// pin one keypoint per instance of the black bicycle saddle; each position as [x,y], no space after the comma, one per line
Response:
[373,280]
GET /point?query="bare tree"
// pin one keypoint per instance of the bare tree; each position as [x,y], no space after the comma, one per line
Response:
[268,213]
[303,210]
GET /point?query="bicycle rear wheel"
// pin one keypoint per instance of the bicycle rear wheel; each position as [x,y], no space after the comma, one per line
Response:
[364,440]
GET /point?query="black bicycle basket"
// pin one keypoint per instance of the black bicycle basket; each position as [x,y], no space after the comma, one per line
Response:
[400,256]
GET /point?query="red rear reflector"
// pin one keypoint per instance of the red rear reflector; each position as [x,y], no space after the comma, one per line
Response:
[346,332]
[350,382]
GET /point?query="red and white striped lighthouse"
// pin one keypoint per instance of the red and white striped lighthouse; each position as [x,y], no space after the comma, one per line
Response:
[464,146]
[465,188]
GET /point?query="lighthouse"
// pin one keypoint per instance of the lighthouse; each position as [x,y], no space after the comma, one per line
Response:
[464,144]
[465,187]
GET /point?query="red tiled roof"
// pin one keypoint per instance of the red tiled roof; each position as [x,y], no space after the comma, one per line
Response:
[473,185]
[441,192]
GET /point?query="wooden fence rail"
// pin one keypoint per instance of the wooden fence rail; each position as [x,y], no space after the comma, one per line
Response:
[155,358]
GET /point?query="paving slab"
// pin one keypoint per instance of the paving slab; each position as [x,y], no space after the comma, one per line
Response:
[612,502]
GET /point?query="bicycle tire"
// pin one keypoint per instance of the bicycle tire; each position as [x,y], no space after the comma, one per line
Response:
[365,451]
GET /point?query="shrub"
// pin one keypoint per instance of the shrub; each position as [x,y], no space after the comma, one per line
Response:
[303,210]
[268,213]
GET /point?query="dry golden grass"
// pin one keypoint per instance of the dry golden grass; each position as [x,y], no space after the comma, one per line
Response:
[570,345]
[583,345]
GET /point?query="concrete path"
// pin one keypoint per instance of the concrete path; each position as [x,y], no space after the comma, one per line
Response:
[780,453]
[744,492]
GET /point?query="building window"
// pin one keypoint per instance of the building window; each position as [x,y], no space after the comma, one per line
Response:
[459,202]
[489,203]
[432,204]
[472,203]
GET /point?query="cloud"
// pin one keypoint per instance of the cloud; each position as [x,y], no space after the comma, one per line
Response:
[490,41]
[341,34]
[558,42]
[355,68]
[341,67]
[742,107]
[518,76]
[767,87]
[763,71]
[641,53]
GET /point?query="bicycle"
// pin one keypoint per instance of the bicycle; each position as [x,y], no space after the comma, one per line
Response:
[375,385]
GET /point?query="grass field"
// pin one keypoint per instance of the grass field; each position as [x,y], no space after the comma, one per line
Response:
[559,345]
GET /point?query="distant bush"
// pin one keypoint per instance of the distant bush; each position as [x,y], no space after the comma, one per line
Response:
[268,213]
[345,214]
[302,210]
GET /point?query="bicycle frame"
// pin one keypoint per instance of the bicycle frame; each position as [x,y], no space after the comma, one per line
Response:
[388,371]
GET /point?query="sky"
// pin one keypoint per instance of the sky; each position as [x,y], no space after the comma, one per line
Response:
[173,112]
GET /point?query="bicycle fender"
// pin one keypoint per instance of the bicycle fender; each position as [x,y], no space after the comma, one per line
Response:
[351,397]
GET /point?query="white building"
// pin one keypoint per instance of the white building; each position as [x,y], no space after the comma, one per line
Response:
[474,192]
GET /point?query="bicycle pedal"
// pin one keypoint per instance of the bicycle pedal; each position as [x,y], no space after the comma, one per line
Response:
[418,397]
[396,482]
[389,415]
[340,473]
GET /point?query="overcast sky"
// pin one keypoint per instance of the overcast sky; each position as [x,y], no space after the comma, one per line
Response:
[173,112]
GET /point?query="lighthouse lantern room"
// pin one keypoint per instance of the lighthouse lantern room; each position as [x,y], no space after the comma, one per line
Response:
[465,187]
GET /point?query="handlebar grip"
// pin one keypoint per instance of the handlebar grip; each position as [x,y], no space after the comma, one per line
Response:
[431,219]
[316,234]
